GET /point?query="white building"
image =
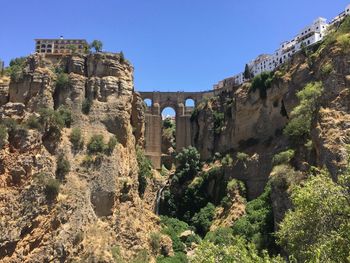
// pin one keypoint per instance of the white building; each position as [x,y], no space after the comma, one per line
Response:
[306,37]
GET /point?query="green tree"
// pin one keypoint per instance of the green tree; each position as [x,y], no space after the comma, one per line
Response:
[188,164]
[318,228]
[247,73]
[96,45]
[96,144]
[301,117]
[76,139]
[203,219]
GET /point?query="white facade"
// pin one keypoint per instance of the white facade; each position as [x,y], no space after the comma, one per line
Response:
[306,37]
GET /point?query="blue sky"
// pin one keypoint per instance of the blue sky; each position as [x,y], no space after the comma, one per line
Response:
[174,44]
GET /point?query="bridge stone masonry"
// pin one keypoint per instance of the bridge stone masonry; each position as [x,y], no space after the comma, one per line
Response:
[153,132]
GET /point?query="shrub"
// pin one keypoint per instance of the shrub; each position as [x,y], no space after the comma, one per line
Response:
[317,229]
[86,106]
[301,117]
[283,157]
[242,156]
[63,167]
[66,115]
[76,139]
[188,164]
[111,145]
[262,82]
[227,160]
[257,225]
[219,118]
[16,68]
[33,122]
[327,69]
[203,219]
[62,80]
[155,242]
[145,170]
[52,188]
[96,144]
[3,136]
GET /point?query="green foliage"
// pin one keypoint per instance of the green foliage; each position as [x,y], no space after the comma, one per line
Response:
[227,160]
[188,164]
[247,73]
[52,123]
[145,170]
[96,45]
[173,228]
[121,57]
[155,242]
[301,117]
[16,68]
[62,80]
[262,82]
[66,115]
[96,144]
[317,229]
[242,156]
[76,139]
[257,225]
[179,257]
[111,145]
[327,69]
[3,136]
[203,219]
[62,167]
[86,106]
[237,251]
[283,157]
[33,122]
[52,188]
[219,118]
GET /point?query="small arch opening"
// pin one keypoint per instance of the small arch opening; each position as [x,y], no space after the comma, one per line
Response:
[168,137]
[148,102]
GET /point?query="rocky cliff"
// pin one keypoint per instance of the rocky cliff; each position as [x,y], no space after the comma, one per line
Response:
[98,214]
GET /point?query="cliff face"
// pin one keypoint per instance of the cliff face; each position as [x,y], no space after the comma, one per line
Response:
[252,122]
[98,214]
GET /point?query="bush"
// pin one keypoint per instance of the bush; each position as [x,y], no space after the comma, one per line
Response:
[188,164]
[317,229]
[86,106]
[52,188]
[327,69]
[219,118]
[299,125]
[63,167]
[283,157]
[3,136]
[155,242]
[76,139]
[262,82]
[66,115]
[145,170]
[62,80]
[111,145]
[203,219]
[16,68]
[96,144]
[257,225]
[227,160]
[33,122]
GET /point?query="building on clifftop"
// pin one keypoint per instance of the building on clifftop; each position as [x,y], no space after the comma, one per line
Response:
[60,46]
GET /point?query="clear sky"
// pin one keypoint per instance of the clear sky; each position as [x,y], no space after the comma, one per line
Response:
[174,45]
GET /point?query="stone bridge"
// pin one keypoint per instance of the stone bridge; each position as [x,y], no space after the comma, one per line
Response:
[153,133]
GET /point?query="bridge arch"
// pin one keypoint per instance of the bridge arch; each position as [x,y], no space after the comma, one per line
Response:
[177,101]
